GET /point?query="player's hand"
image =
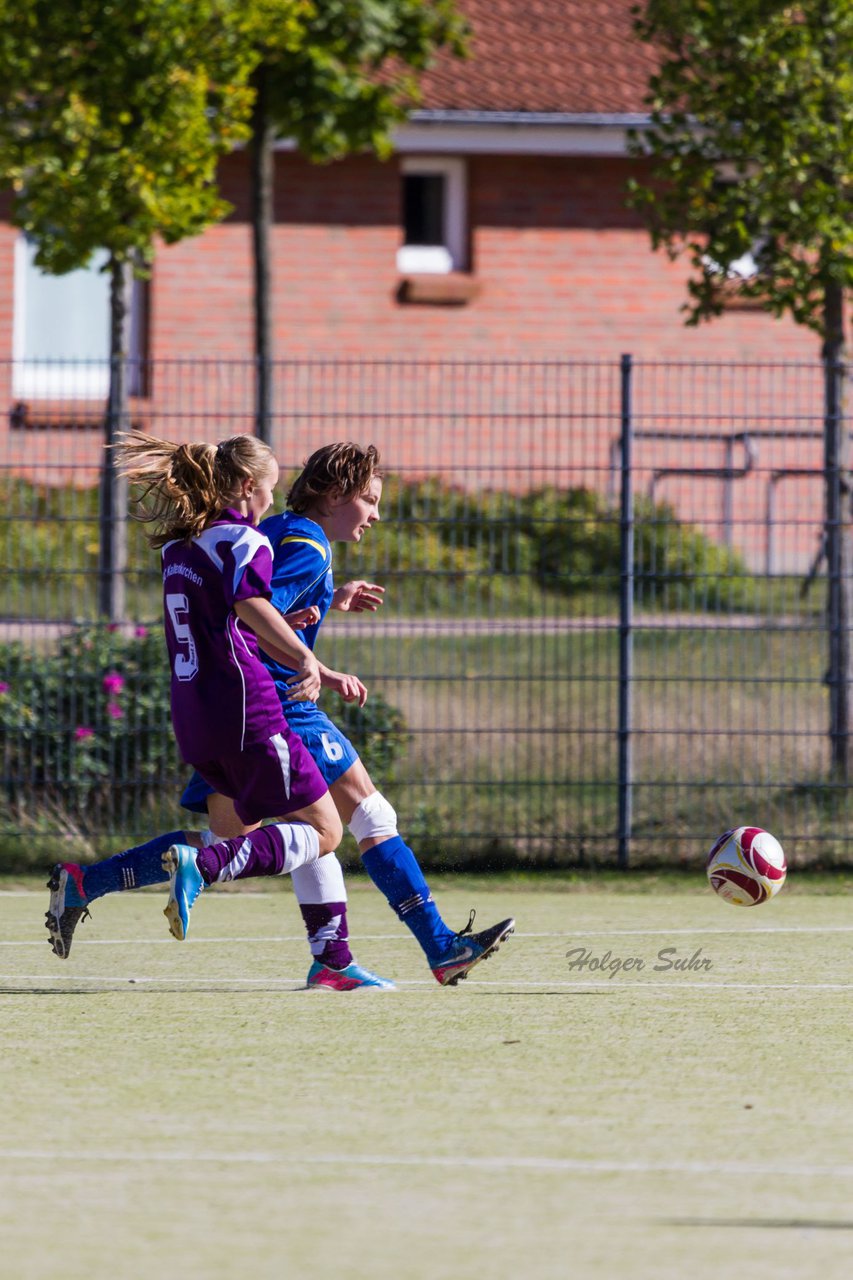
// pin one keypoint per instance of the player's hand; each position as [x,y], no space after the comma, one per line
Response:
[302,617]
[306,684]
[358,597]
[349,687]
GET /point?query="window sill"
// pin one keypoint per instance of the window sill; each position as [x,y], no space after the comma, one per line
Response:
[28,416]
[439,289]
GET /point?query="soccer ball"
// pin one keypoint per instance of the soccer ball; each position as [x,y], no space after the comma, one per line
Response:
[746,866]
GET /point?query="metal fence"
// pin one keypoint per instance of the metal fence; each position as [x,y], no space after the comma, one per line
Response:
[604,637]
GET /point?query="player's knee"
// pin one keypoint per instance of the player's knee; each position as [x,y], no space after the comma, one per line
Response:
[330,832]
[373,819]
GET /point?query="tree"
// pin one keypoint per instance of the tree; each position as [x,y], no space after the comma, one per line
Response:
[750,147]
[112,120]
[335,86]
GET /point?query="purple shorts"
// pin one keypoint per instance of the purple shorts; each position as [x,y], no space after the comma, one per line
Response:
[267,779]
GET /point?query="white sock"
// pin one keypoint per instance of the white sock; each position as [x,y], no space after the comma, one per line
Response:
[320,881]
[301,846]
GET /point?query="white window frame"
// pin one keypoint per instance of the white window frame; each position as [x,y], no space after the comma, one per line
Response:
[452,254]
[45,379]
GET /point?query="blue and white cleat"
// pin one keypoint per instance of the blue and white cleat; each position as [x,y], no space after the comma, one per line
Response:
[469,949]
[185,884]
[352,978]
[67,906]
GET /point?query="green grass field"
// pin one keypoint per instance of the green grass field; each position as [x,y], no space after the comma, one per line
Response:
[186,1109]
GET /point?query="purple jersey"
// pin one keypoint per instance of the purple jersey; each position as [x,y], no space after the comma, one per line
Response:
[223,697]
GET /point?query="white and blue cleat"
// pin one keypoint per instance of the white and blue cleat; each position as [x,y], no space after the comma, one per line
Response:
[185,884]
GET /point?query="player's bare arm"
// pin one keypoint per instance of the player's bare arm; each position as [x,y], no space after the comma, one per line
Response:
[282,643]
[358,597]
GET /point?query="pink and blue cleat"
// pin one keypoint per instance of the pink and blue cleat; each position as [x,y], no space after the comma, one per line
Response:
[352,978]
[67,906]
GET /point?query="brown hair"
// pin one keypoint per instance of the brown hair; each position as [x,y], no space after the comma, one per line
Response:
[344,466]
[185,485]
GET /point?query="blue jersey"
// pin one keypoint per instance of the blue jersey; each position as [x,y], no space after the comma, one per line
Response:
[301,576]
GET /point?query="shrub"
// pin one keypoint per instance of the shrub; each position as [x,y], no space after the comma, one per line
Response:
[87,730]
[87,727]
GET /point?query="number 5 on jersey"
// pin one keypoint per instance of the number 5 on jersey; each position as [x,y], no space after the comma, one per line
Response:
[186,664]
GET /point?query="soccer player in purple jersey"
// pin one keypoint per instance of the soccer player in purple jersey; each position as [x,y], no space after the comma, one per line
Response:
[204,503]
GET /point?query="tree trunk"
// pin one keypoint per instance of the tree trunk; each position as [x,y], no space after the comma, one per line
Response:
[113,516]
[839,539]
[262,214]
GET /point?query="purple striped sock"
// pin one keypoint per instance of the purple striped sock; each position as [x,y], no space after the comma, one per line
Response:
[326,923]
[264,855]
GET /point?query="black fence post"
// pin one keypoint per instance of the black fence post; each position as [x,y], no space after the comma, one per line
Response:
[112,566]
[626,617]
[839,558]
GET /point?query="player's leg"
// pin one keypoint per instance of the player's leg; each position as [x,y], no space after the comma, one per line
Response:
[394,869]
[74,887]
[318,885]
[303,846]
[388,860]
[276,777]
[273,850]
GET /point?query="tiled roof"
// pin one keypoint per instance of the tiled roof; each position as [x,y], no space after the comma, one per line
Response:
[562,56]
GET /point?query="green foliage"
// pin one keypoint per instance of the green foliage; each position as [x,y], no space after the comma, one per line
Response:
[682,568]
[750,146]
[436,548]
[350,72]
[49,542]
[565,541]
[88,726]
[575,538]
[113,119]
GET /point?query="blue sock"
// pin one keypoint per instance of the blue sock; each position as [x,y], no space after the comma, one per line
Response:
[131,869]
[394,870]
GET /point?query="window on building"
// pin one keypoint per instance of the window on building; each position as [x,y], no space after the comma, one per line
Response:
[61,340]
[435,231]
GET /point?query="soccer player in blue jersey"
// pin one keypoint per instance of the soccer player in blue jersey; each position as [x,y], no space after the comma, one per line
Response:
[204,503]
[336,499]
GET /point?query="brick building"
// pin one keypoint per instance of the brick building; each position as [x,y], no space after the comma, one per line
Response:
[498,230]
[514,171]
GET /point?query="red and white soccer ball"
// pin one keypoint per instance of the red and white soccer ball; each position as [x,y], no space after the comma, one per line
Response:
[746,866]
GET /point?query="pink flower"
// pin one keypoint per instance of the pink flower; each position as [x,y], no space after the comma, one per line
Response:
[113,682]
[140,632]
[112,627]
[114,710]
[82,732]
[4,687]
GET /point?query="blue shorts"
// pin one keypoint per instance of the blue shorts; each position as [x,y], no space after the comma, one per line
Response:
[331,750]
